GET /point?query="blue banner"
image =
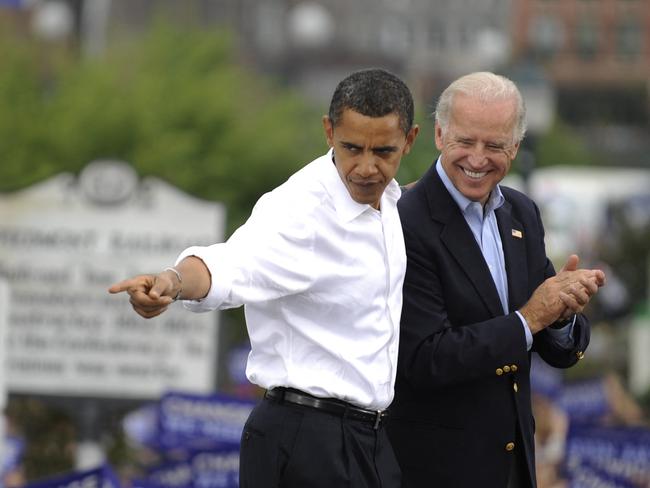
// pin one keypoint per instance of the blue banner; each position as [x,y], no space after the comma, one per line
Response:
[170,475]
[14,447]
[102,477]
[203,469]
[588,476]
[200,421]
[585,402]
[218,469]
[11,3]
[141,425]
[620,453]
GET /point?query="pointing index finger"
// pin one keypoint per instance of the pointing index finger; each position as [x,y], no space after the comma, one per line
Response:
[121,286]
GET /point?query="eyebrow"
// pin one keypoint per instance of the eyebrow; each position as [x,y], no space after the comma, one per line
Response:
[351,145]
[499,144]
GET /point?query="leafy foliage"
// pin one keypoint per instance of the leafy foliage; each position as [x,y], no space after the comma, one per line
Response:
[563,146]
[173,104]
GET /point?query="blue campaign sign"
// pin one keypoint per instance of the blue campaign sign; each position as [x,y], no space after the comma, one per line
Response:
[586,475]
[218,469]
[620,453]
[170,475]
[201,421]
[102,477]
[11,3]
[141,425]
[14,447]
[585,402]
[201,469]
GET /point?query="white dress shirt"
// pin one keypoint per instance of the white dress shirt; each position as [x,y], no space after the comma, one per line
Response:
[321,277]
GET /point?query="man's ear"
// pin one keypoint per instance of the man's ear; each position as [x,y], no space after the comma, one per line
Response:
[438,136]
[410,138]
[329,130]
[513,151]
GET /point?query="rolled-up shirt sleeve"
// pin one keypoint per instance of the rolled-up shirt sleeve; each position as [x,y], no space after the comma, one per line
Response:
[221,276]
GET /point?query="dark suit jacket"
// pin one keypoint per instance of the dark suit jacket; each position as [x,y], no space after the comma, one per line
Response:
[463,383]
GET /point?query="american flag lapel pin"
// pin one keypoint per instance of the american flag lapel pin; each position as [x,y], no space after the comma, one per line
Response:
[517,233]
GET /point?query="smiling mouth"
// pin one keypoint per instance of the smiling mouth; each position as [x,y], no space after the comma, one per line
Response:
[475,175]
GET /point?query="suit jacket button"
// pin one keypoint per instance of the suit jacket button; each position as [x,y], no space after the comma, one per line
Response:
[510,446]
[515,387]
[513,368]
[580,355]
[506,369]
[499,371]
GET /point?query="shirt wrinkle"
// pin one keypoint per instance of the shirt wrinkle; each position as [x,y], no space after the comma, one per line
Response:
[321,276]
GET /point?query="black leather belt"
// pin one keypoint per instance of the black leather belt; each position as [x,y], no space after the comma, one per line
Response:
[329,405]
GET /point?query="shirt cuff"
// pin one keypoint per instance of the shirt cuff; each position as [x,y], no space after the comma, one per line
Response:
[529,334]
[564,336]
[220,279]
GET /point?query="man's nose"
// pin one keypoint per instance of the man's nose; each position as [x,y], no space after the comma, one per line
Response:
[477,155]
[367,166]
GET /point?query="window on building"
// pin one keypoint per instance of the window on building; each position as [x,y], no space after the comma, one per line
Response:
[269,33]
[629,39]
[396,37]
[437,39]
[466,35]
[587,39]
[546,35]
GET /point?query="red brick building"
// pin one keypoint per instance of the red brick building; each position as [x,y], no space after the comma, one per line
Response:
[597,53]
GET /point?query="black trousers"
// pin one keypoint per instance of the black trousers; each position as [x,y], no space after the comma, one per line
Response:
[290,446]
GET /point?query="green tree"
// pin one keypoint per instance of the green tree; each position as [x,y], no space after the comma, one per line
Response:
[561,145]
[174,104]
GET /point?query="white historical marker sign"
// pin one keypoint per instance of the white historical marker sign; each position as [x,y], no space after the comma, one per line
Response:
[63,242]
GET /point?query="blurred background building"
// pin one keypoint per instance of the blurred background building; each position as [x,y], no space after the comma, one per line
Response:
[595,52]
[597,55]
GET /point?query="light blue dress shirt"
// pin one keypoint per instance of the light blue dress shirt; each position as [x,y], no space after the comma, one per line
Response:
[483,224]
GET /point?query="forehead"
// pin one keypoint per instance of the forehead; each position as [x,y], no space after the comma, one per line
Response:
[353,123]
[470,115]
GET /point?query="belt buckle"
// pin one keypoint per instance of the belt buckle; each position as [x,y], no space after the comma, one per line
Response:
[377,419]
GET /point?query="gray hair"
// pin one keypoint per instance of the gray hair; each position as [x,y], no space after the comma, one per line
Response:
[486,87]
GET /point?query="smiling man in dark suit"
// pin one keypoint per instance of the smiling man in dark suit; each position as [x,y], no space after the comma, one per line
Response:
[479,295]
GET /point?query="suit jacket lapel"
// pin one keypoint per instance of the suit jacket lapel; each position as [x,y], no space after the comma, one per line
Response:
[514,250]
[459,240]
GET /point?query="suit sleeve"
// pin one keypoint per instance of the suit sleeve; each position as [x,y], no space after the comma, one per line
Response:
[549,349]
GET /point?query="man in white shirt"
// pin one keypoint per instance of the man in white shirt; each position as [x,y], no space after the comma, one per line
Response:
[319,266]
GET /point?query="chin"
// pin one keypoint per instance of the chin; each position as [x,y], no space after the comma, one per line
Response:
[365,200]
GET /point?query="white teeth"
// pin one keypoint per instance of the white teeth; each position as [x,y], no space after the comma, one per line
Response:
[474,174]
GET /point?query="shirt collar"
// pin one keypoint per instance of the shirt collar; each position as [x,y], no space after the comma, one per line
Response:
[345,206]
[495,201]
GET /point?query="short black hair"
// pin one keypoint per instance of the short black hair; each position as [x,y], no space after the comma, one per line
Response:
[373,92]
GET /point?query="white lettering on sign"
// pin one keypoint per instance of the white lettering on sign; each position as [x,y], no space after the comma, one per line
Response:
[63,242]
